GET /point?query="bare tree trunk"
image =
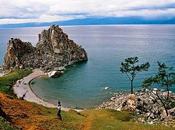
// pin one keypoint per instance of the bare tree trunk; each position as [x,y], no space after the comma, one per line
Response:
[168,91]
[163,104]
[132,91]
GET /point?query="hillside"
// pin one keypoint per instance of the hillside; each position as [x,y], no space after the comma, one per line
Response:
[30,116]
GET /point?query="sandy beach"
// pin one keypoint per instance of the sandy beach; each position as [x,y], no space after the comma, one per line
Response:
[1,74]
[22,87]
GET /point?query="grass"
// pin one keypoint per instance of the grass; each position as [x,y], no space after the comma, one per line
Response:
[87,120]
[4,125]
[71,121]
[114,120]
[6,83]
[8,80]
[96,120]
[92,120]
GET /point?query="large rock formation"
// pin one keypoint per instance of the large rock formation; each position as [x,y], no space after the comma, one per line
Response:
[53,50]
[15,51]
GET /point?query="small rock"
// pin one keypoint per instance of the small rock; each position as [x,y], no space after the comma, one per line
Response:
[54,74]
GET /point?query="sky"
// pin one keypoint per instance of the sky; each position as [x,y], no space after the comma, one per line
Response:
[40,11]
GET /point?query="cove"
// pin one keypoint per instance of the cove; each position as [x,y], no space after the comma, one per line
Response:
[83,85]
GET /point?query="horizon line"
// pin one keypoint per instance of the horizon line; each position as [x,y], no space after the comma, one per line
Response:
[76,25]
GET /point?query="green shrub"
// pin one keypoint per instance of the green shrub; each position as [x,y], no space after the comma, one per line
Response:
[4,125]
[7,81]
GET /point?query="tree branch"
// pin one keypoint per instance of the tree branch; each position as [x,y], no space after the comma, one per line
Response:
[128,76]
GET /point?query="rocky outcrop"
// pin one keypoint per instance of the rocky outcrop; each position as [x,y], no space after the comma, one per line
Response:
[54,49]
[15,51]
[145,104]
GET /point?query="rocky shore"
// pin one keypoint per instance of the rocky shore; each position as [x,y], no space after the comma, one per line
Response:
[145,104]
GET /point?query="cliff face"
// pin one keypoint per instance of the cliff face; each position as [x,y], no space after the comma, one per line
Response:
[15,51]
[54,49]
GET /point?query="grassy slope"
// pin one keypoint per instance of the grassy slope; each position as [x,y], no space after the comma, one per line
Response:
[35,117]
[8,80]
[113,120]
[5,86]
[4,125]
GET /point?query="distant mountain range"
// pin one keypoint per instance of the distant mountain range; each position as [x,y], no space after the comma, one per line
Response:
[97,21]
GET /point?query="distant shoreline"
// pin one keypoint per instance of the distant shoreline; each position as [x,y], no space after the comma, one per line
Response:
[90,25]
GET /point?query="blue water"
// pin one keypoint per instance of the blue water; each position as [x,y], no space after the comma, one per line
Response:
[83,85]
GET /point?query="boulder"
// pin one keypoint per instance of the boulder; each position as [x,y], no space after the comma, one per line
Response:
[129,103]
[55,74]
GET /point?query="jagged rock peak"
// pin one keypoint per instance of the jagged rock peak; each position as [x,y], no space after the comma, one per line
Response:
[15,50]
[54,49]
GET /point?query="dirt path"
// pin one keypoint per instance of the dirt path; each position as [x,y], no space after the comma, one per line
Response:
[88,121]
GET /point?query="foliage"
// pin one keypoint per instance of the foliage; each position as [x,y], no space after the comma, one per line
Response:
[8,80]
[4,125]
[130,67]
[164,78]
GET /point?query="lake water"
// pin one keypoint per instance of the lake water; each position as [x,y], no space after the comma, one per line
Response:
[83,85]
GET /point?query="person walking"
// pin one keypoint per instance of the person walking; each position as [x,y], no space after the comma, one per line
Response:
[59,110]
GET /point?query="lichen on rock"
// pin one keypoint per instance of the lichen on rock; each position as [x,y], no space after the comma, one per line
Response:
[54,49]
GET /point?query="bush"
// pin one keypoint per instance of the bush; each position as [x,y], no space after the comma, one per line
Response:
[7,81]
[4,125]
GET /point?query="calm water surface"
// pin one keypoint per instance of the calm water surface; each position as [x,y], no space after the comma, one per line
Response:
[83,85]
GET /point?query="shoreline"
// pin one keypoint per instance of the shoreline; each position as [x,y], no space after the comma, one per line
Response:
[1,71]
[22,87]
[1,74]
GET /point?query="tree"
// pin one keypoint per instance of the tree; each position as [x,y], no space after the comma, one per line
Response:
[164,78]
[130,67]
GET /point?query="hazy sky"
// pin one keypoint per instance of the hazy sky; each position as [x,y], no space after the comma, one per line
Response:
[24,11]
